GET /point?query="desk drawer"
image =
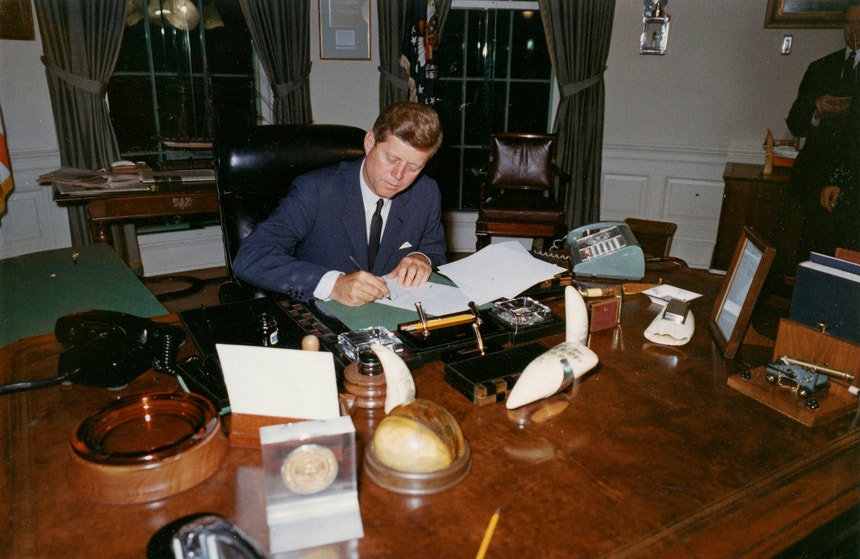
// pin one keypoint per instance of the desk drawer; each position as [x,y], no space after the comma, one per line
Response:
[153,205]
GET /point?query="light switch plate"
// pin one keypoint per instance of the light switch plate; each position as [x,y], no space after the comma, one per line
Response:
[786,44]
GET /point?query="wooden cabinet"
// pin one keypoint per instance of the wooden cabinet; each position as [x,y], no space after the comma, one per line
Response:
[760,201]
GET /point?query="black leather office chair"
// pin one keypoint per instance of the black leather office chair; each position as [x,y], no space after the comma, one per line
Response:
[255,170]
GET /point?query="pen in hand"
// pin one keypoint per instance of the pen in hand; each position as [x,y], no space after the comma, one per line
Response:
[361,269]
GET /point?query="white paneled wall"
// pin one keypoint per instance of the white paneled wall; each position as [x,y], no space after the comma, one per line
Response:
[684,188]
[38,224]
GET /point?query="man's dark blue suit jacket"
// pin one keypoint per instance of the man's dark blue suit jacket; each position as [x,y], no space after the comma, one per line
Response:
[320,224]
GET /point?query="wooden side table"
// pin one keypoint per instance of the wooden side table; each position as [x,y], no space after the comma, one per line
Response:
[762,202]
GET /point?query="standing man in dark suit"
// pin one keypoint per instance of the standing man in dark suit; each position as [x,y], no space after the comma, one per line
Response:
[340,231]
[826,114]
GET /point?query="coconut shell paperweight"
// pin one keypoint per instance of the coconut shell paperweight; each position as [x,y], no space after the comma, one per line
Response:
[419,447]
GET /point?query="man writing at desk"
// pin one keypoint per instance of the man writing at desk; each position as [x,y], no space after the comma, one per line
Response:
[341,230]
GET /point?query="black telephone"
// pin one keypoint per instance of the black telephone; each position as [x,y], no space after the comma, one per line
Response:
[110,348]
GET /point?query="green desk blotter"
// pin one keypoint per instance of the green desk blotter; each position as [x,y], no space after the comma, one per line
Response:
[38,288]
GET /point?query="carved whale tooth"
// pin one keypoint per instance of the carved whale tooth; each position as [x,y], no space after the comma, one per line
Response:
[399,384]
[560,366]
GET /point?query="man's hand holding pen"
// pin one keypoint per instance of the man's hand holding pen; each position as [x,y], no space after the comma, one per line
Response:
[359,288]
[362,287]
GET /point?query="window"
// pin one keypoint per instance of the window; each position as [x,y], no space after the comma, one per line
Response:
[175,73]
[495,75]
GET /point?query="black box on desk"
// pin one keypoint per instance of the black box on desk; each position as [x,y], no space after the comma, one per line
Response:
[488,379]
[827,296]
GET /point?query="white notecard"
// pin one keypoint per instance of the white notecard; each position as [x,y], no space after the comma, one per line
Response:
[279,382]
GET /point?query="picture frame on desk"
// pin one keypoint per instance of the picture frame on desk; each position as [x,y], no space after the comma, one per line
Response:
[803,14]
[733,308]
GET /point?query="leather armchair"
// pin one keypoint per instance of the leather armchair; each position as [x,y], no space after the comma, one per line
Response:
[523,192]
[255,170]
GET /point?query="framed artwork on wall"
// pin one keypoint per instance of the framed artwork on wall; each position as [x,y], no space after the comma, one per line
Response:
[344,29]
[820,14]
[16,20]
[744,280]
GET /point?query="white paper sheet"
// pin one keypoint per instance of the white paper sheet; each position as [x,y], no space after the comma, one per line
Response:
[663,293]
[498,270]
[279,382]
[436,299]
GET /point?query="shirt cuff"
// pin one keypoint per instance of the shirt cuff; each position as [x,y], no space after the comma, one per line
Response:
[424,255]
[326,285]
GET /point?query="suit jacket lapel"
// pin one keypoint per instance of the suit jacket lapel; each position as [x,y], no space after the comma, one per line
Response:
[353,218]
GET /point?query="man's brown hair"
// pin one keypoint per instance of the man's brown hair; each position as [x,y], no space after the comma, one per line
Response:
[416,124]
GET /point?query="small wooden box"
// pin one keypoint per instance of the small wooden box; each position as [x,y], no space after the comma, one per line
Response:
[245,428]
[604,313]
[802,342]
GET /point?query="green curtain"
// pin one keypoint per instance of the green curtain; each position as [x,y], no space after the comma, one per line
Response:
[578,35]
[281,33]
[81,41]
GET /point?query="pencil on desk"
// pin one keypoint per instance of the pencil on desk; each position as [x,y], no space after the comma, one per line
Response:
[488,535]
[434,323]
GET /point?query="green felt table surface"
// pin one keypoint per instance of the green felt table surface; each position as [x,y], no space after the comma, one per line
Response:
[38,288]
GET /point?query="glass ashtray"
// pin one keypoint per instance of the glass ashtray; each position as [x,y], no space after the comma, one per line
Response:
[521,311]
[353,342]
[145,428]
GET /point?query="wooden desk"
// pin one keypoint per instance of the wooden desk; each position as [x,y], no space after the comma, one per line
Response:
[140,207]
[655,457]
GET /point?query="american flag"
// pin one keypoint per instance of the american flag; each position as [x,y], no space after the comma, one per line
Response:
[420,41]
[5,167]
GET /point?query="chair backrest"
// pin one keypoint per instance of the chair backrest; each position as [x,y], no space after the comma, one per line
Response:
[522,161]
[654,237]
[255,170]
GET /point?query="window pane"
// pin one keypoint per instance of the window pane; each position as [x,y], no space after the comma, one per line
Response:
[495,75]
[169,82]
[528,107]
[133,122]
[532,60]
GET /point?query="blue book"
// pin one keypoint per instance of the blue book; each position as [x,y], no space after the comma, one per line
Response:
[827,295]
[833,262]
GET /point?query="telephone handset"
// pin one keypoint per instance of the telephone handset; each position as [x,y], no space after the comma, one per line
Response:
[110,348]
[607,249]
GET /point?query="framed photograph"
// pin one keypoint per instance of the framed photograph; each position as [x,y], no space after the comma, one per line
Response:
[16,20]
[744,280]
[819,14]
[345,29]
